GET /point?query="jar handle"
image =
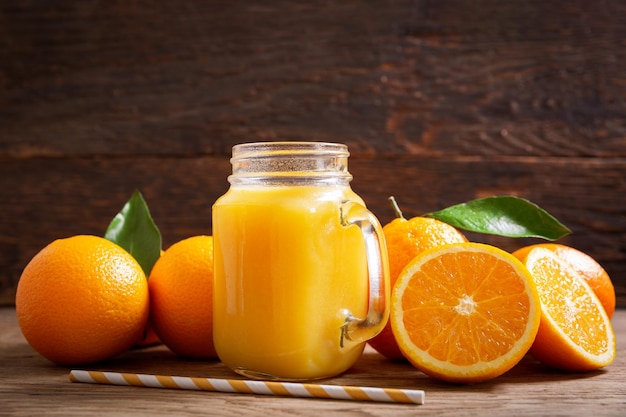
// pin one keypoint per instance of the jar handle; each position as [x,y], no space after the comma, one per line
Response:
[355,329]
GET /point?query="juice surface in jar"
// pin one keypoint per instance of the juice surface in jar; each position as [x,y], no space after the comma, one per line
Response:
[286,272]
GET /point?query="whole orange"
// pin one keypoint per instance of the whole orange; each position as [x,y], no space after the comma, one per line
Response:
[181,297]
[587,267]
[405,240]
[82,299]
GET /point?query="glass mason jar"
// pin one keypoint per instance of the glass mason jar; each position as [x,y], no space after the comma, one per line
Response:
[301,277]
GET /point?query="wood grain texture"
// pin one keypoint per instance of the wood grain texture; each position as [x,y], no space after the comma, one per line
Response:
[30,385]
[438,101]
[431,77]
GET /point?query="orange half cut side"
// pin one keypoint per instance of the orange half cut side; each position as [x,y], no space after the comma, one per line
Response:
[575,333]
[465,312]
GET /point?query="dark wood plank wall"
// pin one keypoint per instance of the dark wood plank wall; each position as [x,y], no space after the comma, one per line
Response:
[440,101]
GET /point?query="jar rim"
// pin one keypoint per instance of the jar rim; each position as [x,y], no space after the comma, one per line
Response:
[295,162]
[280,148]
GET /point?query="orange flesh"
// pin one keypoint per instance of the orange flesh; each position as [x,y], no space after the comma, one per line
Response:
[468,317]
[585,330]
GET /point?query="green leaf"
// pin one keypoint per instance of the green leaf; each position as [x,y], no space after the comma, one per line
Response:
[503,215]
[134,230]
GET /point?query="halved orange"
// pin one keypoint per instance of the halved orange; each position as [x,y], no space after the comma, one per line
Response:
[575,333]
[465,312]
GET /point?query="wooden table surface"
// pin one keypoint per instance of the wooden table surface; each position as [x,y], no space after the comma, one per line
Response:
[30,385]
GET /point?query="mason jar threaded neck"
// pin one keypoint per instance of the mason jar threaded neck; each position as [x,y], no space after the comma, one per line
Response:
[289,163]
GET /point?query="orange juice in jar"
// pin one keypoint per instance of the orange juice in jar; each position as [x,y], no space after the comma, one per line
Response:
[300,265]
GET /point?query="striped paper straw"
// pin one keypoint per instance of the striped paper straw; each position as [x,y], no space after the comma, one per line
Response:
[285,389]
